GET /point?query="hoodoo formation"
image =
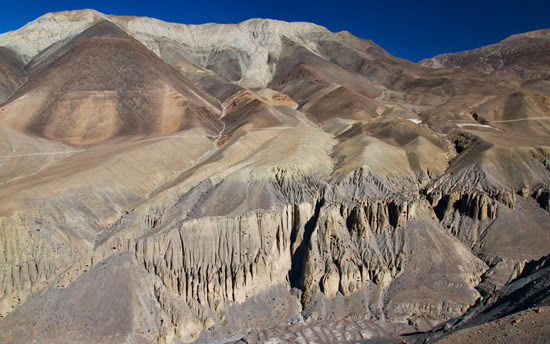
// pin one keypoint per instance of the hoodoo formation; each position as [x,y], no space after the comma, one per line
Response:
[271,182]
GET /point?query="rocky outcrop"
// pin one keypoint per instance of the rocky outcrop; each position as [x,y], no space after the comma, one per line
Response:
[343,249]
[323,252]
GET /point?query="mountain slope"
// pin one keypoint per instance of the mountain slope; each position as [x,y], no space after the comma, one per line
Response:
[71,96]
[515,312]
[11,74]
[523,56]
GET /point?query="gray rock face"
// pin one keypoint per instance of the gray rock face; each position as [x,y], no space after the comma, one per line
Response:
[520,56]
[11,72]
[259,181]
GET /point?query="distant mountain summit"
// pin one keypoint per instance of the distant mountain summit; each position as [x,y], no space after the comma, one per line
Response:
[524,56]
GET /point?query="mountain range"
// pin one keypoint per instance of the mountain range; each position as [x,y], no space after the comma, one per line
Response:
[266,181]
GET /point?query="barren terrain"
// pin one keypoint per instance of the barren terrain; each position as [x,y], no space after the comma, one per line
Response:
[269,182]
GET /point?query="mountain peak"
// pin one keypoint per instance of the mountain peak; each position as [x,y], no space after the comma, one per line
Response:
[529,50]
[102,84]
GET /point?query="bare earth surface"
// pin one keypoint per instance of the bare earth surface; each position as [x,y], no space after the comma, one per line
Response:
[531,326]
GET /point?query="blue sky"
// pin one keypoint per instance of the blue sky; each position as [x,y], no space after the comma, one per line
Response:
[409,29]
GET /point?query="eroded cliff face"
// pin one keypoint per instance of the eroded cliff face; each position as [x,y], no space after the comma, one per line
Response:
[307,178]
[316,258]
